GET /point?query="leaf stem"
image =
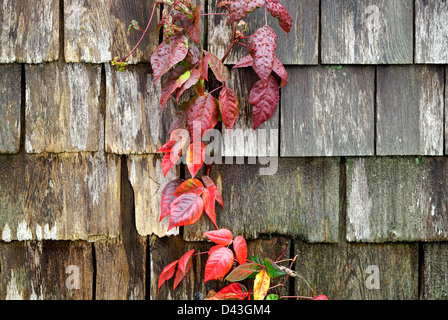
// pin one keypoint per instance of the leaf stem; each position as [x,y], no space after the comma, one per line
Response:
[215,14]
[231,43]
[143,35]
[265,12]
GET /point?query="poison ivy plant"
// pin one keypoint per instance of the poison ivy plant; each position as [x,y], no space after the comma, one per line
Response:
[180,63]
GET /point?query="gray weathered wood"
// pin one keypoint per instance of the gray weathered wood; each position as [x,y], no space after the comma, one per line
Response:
[243,141]
[367,32]
[10,110]
[30,31]
[446,111]
[62,107]
[431,36]
[121,262]
[397,199]
[168,249]
[146,177]
[300,199]
[328,112]
[47,270]
[342,272]
[410,110]
[96,30]
[64,197]
[300,46]
[435,271]
[135,121]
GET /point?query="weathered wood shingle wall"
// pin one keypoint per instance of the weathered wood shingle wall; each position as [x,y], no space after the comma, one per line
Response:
[361,136]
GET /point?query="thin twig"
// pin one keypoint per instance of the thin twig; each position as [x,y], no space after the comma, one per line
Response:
[143,35]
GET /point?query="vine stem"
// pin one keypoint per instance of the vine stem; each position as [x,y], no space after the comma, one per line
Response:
[143,35]
[215,14]
[265,12]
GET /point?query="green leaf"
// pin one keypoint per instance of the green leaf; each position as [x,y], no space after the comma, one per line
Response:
[243,271]
[273,269]
[272,297]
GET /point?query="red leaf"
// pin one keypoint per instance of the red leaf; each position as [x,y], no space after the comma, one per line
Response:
[321,297]
[219,69]
[240,248]
[221,236]
[229,104]
[180,275]
[185,210]
[179,121]
[167,273]
[280,70]
[168,161]
[202,114]
[264,96]
[192,27]
[195,157]
[184,260]
[210,185]
[178,139]
[209,206]
[190,186]
[167,56]
[279,11]
[168,197]
[210,251]
[234,291]
[218,264]
[241,8]
[245,62]
[261,46]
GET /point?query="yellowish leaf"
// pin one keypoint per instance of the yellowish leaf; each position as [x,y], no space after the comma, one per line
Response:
[261,285]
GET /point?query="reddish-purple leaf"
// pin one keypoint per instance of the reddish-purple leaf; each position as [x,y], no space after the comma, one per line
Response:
[280,70]
[195,157]
[218,264]
[264,97]
[192,27]
[234,291]
[169,160]
[261,46]
[168,197]
[203,65]
[175,80]
[243,271]
[245,62]
[241,8]
[279,11]
[167,273]
[185,210]
[190,186]
[167,56]
[219,69]
[202,114]
[229,104]
[179,121]
[240,248]
[221,236]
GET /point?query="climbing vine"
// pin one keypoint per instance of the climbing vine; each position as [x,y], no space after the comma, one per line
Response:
[184,64]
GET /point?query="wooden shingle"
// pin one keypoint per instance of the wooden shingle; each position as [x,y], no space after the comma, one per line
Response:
[47,270]
[96,31]
[146,177]
[328,112]
[62,107]
[299,199]
[435,271]
[397,199]
[367,32]
[10,110]
[358,272]
[431,36]
[135,121]
[410,110]
[300,46]
[59,197]
[30,31]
